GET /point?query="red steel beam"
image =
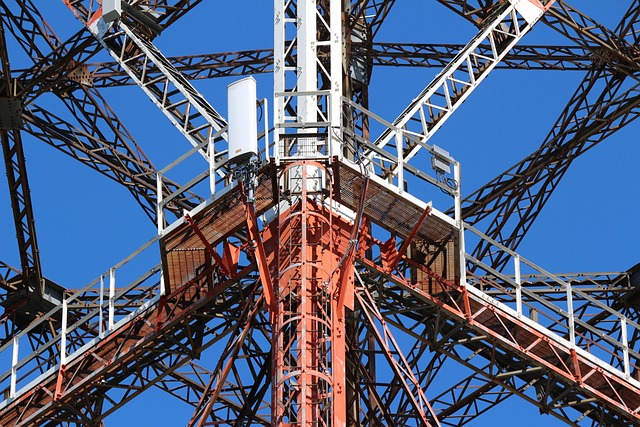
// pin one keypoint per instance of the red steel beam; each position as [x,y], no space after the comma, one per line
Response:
[514,335]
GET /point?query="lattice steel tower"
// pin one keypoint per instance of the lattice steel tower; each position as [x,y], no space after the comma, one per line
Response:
[295,258]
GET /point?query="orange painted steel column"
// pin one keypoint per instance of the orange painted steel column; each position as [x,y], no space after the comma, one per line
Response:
[304,246]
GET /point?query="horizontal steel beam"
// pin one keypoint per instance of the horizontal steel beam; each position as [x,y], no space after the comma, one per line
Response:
[428,55]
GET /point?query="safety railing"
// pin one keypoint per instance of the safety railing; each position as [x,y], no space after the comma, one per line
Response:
[90,314]
[298,139]
[208,179]
[84,318]
[578,320]
[388,162]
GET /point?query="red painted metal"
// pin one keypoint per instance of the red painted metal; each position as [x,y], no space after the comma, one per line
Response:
[84,374]
[409,239]
[219,261]
[258,249]
[306,258]
[306,245]
[230,257]
[516,336]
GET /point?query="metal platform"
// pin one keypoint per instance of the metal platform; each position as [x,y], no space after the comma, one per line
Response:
[387,207]
[183,251]
[488,328]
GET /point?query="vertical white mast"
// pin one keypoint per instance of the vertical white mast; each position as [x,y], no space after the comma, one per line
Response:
[308,73]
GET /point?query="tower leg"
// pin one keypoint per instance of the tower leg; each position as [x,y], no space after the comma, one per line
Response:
[305,246]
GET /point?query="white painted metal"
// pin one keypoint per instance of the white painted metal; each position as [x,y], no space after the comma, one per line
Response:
[112,297]
[101,305]
[163,288]
[518,280]
[63,334]
[307,95]
[132,299]
[279,71]
[570,316]
[14,367]
[400,174]
[562,315]
[438,101]
[307,67]
[265,115]
[528,10]
[380,160]
[554,309]
[462,265]
[243,121]
[335,98]
[298,86]
[159,204]
[457,195]
[191,114]
[212,170]
[111,10]
[625,346]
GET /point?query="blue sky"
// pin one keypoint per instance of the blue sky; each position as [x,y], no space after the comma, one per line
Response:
[87,223]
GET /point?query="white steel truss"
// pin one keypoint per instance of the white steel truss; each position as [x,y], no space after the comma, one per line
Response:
[165,85]
[308,52]
[309,98]
[439,100]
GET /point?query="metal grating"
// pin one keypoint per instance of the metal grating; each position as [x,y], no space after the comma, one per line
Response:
[390,209]
[183,253]
[545,353]
[183,265]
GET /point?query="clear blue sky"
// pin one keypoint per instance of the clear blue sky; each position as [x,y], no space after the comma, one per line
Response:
[86,223]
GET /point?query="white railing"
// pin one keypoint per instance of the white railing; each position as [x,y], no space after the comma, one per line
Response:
[88,315]
[388,163]
[209,179]
[297,140]
[577,321]
[84,318]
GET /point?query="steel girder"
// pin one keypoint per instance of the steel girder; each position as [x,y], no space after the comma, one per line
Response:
[605,102]
[570,22]
[600,106]
[104,142]
[401,305]
[251,62]
[120,159]
[374,12]
[427,112]
[181,103]
[458,405]
[462,402]
[116,163]
[15,167]
[124,374]
[476,394]
[383,8]
[116,159]
[365,20]
[161,12]
[171,371]
[521,57]
[193,67]
[122,156]
[6,273]
[496,372]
